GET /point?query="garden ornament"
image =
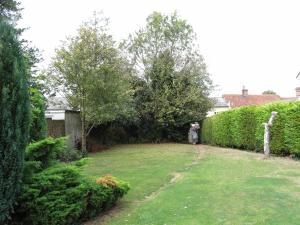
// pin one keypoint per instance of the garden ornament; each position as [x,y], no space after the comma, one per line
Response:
[267,134]
[193,133]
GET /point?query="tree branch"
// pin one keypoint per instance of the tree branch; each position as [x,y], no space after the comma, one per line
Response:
[90,129]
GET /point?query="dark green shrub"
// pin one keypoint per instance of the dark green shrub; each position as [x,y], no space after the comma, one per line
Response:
[114,135]
[14,116]
[59,195]
[292,129]
[45,151]
[51,149]
[54,193]
[69,155]
[277,136]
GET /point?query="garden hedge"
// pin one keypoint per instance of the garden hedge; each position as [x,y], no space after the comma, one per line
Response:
[221,129]
[206,131]
[243,128]
[292,129]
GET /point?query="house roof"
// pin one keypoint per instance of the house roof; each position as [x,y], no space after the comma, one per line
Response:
[244,100]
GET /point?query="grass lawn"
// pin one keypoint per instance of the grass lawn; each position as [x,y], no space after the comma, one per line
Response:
[184,184]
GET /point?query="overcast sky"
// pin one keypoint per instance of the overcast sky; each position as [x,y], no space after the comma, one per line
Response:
[255,43]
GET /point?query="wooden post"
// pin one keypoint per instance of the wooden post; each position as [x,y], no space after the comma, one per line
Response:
[267,134]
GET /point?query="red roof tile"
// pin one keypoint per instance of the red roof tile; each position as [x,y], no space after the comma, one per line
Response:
[240,100]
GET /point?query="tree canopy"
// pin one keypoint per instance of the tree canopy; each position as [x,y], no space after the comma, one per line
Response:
[269,92]
[9,10]
[171,83]
[90,71]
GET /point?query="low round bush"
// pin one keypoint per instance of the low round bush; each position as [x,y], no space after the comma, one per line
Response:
[59,195]
[55,193]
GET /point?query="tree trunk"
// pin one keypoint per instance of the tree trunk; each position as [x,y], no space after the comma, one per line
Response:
[83,137]
[83,125]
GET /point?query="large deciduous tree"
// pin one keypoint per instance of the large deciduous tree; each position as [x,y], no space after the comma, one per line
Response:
[14,116]
[172,84]
[90,72]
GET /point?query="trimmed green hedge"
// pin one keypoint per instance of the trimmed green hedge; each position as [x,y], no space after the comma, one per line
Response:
[292,129]
[206,131]
[243,128]
[221,129]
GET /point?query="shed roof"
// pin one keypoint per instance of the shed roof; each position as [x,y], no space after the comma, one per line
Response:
[220,102]
[58,103]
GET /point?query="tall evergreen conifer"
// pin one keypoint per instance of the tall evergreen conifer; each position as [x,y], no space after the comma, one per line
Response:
[14,116]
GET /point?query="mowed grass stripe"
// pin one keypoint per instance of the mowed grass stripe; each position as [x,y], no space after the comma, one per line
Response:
[225,187]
